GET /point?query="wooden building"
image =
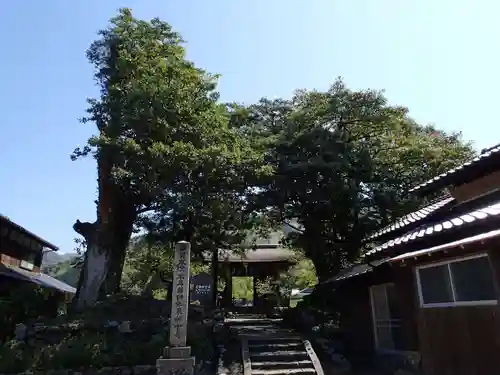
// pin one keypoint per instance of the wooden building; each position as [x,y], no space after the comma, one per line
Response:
[21,253]
[430,286]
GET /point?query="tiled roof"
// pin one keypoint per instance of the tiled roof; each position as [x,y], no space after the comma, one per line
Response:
[39,278]
[464,219]
[492,210]
[356,270]
[449,245]
[51,282]
[413,217]
[483,156]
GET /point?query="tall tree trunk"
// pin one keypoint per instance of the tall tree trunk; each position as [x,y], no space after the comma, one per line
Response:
[326,261]
[111,284]
[322,268]
[119,240]
[106,239]
[95,266]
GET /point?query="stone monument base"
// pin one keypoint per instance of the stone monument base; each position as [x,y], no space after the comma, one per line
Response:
[176,360]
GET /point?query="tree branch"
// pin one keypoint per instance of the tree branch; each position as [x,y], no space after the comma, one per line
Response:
[86,230]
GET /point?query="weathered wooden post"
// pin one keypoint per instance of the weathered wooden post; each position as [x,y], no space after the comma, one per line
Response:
[177,357]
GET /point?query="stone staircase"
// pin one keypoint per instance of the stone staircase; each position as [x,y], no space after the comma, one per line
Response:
[277,356]
[268,349]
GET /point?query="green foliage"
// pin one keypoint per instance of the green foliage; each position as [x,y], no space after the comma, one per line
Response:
[302,275]
[243,288]
[151,262]
[88,349]
[168,158]
[144,261]
[343,162]
[159,122]
[182,166]
[65,271]
[81,341]
[26,302]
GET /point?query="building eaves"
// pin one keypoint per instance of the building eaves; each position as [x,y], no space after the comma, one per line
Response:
[454,172]
[27,232]
[355,270]
[414,217]
[39,278]
[450,245]
[482,214]
[259,254]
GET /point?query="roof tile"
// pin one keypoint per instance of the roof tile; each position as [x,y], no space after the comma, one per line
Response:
[413,217]
[493,210]
[482,156]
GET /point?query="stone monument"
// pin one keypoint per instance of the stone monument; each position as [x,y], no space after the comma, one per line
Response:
[177,359]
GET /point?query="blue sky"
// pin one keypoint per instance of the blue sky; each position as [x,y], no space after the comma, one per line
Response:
[439,58]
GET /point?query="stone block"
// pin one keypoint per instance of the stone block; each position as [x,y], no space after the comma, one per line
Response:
[175,366]
[403,372]
[143,370]
[177,352]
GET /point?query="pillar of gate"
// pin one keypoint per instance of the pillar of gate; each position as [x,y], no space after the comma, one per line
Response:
[255,294]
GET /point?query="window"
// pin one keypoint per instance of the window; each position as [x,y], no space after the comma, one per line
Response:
[461,282]
[386,318]
[28,261]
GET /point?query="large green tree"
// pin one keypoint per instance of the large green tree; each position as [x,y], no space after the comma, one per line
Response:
[343,162]
[161,134]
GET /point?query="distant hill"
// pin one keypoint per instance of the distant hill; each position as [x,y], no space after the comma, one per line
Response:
[60,266]
[52,257]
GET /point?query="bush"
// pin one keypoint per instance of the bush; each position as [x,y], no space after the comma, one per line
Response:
[200,337]
[13,357]
[91,349]
[86,350]
[23,302]
[82,341]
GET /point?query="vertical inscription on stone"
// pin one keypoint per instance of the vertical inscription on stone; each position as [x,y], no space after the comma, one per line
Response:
[180,294]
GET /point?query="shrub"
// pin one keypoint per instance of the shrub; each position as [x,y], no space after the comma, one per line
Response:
[81,341]
[86,350]
[23,302]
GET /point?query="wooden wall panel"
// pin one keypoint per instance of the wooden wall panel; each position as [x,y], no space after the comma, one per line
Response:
[477,187]
[11,261]
[356,319]
[404,281]
[460,340]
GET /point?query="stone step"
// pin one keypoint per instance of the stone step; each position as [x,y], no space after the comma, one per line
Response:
[273,345]
[284,371]
[249,321]
[272,339]
[252,327]
[282,364]
[276,345]
[279,355]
